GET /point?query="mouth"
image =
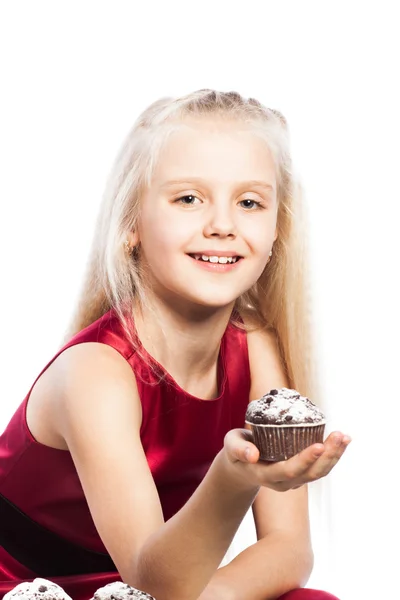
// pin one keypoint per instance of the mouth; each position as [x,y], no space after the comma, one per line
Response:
[222,260]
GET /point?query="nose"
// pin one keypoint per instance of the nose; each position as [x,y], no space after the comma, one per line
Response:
[220,222]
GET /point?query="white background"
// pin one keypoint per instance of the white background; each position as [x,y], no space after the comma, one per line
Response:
[74,76]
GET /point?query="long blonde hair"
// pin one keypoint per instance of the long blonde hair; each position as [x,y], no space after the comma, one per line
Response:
[279,301]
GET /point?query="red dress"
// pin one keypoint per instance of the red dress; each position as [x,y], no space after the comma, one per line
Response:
[46,528]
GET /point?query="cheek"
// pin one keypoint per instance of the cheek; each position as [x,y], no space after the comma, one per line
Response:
[167,228]
[260,237]
[159,237]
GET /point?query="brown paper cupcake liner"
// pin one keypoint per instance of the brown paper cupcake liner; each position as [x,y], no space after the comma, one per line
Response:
[280,442]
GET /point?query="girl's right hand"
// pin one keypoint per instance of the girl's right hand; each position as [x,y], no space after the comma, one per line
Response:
[311,464]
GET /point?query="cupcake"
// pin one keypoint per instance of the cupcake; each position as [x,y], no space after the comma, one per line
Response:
[38,589]
[120,591]
[284,423]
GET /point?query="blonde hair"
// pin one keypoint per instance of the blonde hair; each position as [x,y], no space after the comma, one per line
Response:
[279,301]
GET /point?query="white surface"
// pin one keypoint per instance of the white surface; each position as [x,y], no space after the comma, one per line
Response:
[75,75]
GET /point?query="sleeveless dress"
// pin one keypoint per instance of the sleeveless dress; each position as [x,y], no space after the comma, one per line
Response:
[46,528]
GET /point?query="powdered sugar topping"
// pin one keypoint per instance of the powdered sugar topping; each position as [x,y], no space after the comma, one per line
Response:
[120,591]
[38,589]
[283,407]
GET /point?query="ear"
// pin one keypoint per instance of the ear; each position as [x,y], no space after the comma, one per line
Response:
[276,234]
[133,238]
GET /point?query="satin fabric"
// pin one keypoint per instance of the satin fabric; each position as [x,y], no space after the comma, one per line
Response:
[307,594]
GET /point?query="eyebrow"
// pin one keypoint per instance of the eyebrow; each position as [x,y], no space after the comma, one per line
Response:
[250,183]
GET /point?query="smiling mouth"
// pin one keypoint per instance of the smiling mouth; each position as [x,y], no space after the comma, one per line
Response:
[222,260]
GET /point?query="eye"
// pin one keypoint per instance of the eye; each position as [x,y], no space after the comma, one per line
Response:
[188,200]
[251,204]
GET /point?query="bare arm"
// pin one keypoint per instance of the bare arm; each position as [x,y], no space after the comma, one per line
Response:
[282,520]
[98,414]
[282,559]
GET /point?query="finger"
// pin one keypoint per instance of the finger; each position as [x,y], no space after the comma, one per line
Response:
[252,453]
[336,438]
[240,447]
[330,457]
[293,469]
[239,434]
[335,445]
[306,467]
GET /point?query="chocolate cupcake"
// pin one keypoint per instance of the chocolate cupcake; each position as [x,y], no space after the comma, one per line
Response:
[38,589]
[284,423]
[120,591]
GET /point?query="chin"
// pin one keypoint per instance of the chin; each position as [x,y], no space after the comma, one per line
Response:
[201,297]
[214,302]
[217,297]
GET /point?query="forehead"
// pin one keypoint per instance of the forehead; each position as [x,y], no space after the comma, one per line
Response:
[214,149]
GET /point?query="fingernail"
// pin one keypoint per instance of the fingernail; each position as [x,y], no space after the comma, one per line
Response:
[338,441]
[247,453]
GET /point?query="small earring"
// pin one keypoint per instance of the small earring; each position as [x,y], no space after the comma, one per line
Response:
[128,248]
[269,256]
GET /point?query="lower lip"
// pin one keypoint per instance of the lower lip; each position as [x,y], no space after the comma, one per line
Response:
[216,267]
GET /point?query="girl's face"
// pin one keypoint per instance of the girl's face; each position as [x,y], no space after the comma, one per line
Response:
[208,220]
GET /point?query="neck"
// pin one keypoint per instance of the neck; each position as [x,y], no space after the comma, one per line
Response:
[185,341]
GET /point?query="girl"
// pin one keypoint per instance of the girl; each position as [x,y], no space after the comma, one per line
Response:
[128,458]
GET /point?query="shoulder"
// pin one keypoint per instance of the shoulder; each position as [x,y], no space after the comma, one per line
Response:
[91,353]
[267,367]
[91,367]
[84,379]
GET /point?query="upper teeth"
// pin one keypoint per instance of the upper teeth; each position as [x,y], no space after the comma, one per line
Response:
[216,259]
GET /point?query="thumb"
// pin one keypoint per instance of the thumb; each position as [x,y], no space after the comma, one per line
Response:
[239,445]
[251,453]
